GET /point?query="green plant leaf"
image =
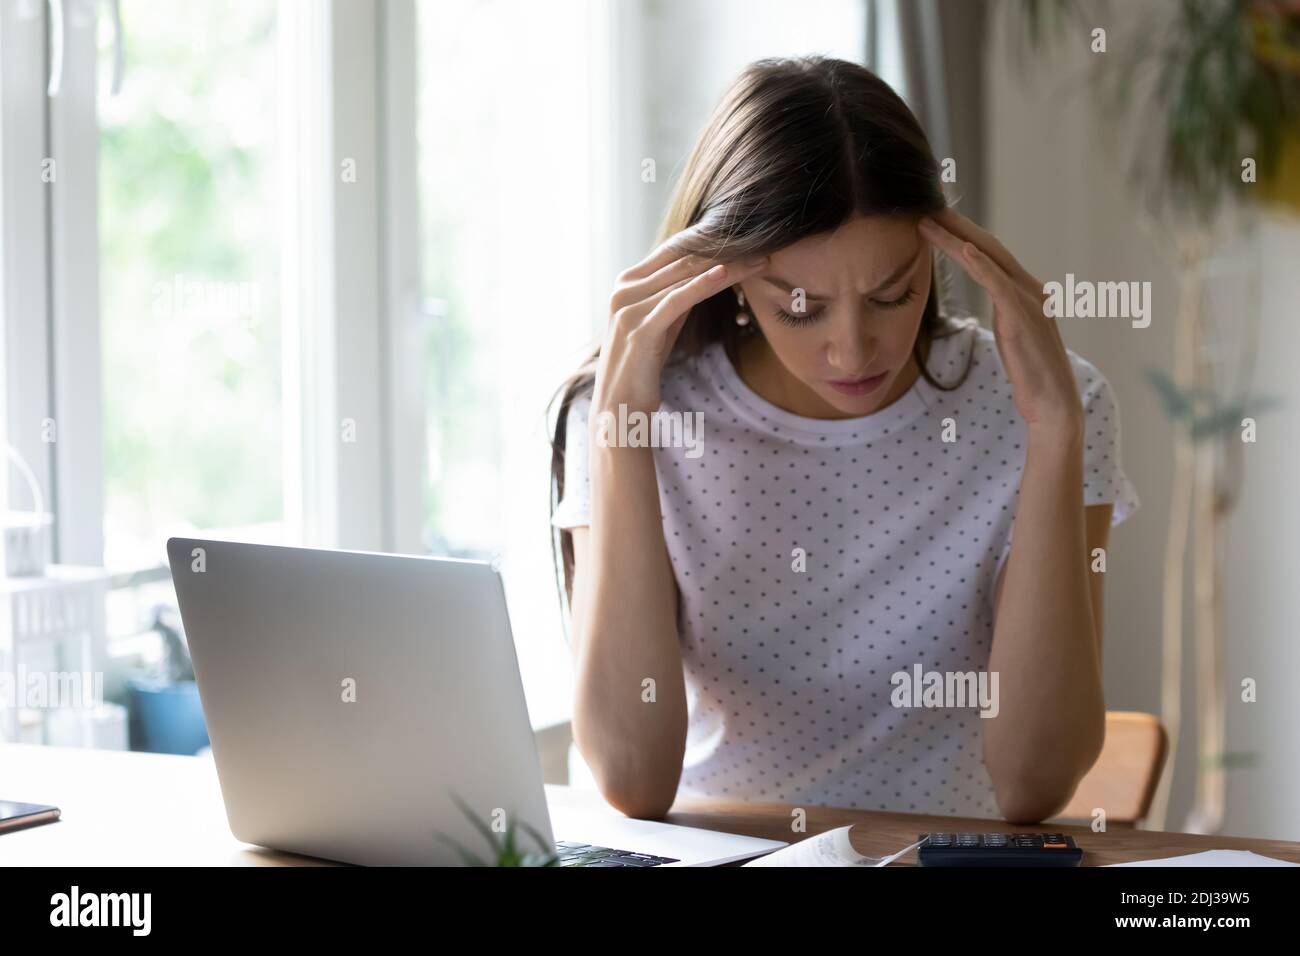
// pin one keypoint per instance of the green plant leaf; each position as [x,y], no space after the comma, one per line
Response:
[1227,419]
[1232,760]
[1219,97]
[505,850]
[1176,403]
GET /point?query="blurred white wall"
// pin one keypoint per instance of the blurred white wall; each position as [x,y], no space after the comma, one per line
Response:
[1059,196]
[688,53]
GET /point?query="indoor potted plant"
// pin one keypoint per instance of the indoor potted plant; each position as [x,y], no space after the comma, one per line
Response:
[165,713]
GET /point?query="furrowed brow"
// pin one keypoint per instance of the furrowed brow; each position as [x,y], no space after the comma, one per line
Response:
[893,277]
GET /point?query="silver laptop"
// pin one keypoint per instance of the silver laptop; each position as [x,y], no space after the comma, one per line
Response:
[368,708]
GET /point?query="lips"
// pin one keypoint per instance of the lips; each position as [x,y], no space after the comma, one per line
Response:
[860,386]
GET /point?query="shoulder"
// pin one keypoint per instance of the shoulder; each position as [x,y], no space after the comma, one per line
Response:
[1093,385]
[695,379]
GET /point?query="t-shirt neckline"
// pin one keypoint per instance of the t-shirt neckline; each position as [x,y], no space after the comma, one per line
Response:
[761,413]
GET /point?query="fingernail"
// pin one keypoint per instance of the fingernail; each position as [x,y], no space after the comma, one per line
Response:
[926,222]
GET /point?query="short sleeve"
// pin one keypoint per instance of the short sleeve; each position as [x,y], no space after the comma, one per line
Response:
[574,509]
[1104,479]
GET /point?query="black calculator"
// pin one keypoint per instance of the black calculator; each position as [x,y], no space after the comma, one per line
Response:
[998,849]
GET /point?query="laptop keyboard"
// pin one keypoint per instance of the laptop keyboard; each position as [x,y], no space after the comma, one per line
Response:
[584,854]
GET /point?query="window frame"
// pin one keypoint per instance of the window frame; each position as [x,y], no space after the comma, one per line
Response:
[24,251]
[337,360]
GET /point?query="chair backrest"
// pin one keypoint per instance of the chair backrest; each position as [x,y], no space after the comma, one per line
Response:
[1123,780]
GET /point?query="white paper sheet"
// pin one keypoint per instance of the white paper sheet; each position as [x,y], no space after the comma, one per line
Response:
[1213,858]
[831,848]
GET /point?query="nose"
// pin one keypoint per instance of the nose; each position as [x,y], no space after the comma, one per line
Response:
[851,348]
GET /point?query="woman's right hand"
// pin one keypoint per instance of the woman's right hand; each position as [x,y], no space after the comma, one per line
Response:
[646,312]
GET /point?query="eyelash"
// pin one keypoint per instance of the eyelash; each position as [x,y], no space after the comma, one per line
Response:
[811,317]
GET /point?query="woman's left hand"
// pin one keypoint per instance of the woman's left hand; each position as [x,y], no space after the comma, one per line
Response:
[1042,381]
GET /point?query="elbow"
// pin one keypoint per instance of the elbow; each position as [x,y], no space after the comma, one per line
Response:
[1029,809]
[637,792]
[1031,788]
[639,803]
[633,784]
[1033,798]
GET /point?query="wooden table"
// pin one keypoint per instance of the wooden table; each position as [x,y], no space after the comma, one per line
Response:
[130,809]
[877,833]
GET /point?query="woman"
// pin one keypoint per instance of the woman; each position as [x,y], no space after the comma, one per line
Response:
[748,613]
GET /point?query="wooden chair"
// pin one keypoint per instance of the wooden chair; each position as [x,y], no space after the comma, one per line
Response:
[1123,780]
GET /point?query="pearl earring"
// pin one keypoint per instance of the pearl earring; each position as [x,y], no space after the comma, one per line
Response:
[742,318]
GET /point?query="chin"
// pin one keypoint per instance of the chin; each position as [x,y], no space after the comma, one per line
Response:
[853,405]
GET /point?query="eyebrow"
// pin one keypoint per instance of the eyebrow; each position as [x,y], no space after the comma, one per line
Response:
[893,277]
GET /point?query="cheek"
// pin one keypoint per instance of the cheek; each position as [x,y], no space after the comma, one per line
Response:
[895,330]
[796,348]
[900,331]
[903,333]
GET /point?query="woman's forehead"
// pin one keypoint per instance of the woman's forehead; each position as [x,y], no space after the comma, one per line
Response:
[868,251]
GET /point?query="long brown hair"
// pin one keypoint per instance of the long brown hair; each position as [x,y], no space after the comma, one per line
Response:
[796,148]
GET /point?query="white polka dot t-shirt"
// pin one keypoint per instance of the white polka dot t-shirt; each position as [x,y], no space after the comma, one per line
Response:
[817,558]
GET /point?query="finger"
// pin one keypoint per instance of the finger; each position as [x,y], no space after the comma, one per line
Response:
[999,285]
[635,311]
[976,264]
[683,268]
[691,293]
[948,243]
[989,244]
[642,314]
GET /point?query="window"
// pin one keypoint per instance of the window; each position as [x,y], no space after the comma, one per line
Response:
[507,149]
[189,295]
[188,290]
[222,258]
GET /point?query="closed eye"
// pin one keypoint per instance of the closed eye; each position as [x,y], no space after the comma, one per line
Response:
[807,318]
[802,318]
[902,300]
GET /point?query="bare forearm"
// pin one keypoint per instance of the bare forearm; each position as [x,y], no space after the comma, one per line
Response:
[1051,719]
[630,705]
